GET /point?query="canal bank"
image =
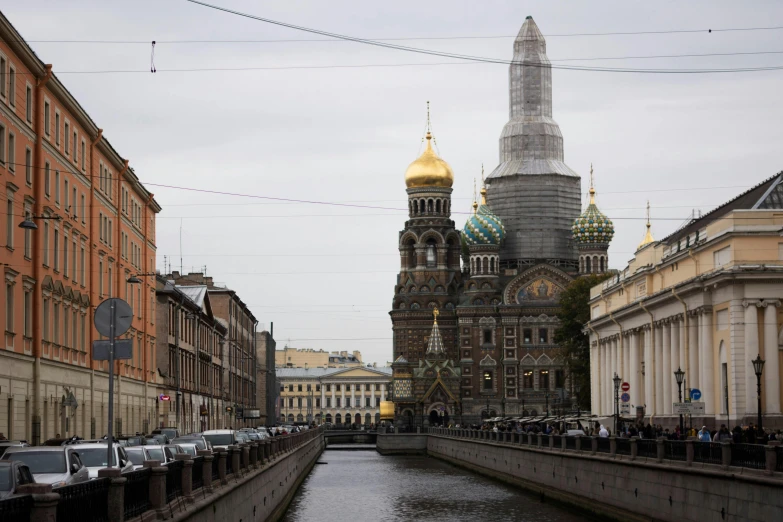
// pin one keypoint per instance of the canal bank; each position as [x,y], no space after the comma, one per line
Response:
[404,488]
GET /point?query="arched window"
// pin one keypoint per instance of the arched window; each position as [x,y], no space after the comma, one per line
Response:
[410,252]
[432,259]
[595,263]
[429,205]
[487,380]
[337,419]
[478,265]
[437,206]
[300,418]
[328,417]
[358,419]
[602,264]
[377,418]
[415,206]
[290,418]
[492,265]
[367,419]
[587,265]
[533,412]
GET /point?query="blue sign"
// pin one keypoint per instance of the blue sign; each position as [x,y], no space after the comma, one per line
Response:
[625,397]
[695,394]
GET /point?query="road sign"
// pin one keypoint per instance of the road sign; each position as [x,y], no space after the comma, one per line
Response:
[123,349]
[123,316]
[688,408]
[625,409]
[695,394]
[625,386]
[164,397]
[625,397]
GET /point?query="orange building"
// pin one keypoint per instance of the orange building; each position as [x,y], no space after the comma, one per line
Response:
[95,227]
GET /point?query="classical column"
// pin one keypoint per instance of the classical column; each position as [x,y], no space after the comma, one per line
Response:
[331,387]
[627,358]
[649,368]
[675,344]
[353,395]
[751,351]
[595,368]
[772,366]
[383,392]
[633,373]
[706,373]
[693,352]
[658,370]
[373,402]
[621,357]
[342,396]
[606,381]
[667,368]
[683,353]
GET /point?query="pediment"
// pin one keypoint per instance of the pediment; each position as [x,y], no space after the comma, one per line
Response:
[358,372]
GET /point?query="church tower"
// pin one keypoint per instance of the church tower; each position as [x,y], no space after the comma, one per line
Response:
[593,232]
[430,275]
[532,190]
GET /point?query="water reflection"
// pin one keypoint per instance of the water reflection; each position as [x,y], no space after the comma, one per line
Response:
[367,485]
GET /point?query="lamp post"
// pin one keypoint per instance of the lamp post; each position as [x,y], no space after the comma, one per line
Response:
[758,367]
[680,376]
[617,380]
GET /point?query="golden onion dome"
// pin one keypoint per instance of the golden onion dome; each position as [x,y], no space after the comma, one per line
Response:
[429,170]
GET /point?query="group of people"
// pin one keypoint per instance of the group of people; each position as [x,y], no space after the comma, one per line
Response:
[749,434]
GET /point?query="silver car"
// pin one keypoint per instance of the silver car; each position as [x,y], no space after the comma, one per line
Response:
[94,455]
[55,465]
[137,455]
[12,475]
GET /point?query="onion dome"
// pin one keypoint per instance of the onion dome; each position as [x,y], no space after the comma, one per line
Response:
[483,227]
[429,170]
[592,226]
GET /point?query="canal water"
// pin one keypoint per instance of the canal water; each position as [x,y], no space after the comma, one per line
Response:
[363,485]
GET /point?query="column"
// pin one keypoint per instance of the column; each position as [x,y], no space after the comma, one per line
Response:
[692,373]
[323,401]
[667,368]
[373,402]
[627,358]
[683,353]
[658,370]
[675,355]
[706,354]
[607,379]
[621,357]
[751,351]
[645,352]
[353,395]
[383,392]
[633,374]
[342,396]
[772,366]
[649,366]
[595,364]
[331,386]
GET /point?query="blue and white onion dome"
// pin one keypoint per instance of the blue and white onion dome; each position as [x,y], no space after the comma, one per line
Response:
[483,227]
[592,226]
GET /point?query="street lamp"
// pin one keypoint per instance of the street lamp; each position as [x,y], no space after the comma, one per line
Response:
[758,367]
[617,380]
[29,224]
[680,376]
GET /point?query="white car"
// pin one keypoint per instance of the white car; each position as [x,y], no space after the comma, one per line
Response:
[220,439]
[94,456]
[55,465]
[137,455]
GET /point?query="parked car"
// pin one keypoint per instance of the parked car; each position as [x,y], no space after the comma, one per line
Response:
[155,452]
[190,449]
[94,457]
[220,439]
[172,449]
[171,433]
[55,465]
[200,442]
[137,455]
[161,438]
[12,475]
[134,440]
[5,444]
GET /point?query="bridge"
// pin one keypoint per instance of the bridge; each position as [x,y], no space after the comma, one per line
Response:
[350,436]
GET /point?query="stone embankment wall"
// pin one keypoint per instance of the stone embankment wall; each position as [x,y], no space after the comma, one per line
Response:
[616,487]
[401,444]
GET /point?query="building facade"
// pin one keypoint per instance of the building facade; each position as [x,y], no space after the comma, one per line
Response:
[240,373]
[343,396]
[267,378]
[311,358]
[475,311]
[78,223]
[705,300]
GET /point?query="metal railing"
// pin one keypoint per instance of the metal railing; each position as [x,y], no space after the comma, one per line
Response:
[174,480]
[198,475]
[779,463]
[647,448]
[708,453]
[749,456]
[623,446]
[137,492]
[84,501]
[16,509]
[604,446]
[674,450]
[215,467]
[230,462]
[571,443]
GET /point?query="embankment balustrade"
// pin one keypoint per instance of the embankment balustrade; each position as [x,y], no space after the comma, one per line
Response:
[149,492]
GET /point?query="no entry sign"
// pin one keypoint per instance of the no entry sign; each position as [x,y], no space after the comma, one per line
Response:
[625,386]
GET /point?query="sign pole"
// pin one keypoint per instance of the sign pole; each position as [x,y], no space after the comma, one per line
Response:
[111,383]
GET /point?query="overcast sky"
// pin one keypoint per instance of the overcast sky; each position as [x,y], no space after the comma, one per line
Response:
[685,141]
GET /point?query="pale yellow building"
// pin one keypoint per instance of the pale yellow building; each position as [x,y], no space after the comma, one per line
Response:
[705,299]
[311,358]
[337,395]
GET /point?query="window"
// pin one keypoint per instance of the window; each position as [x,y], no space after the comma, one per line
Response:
[11,86]
[328,402]
[367,402]
[721,257]
[84,161]
[543,336]
[337,402]
[527,379]
[56,249]
[487,336]
[2,145]
[81,265]
[559,379]
[46,118]
[47,174]
[57,128]
[28,314]
[56,325]
[9,228]
[317,387]
[67,196]
[3,65]
[75,151]
[543,383]
[9,307]
[74,212]
[299,402]
[309,387]
[290,387]
[57,187]
[487,380]
[65,255]
[46,243]
[527,336]
[28,237]
[67,139]
[291,402]
[75,279]
[84,214]
[45,325]
[29,107]
[82,334]
[337,387]
[328,387]
[11,152]
[100,277]
[431,256]
[28,166]
[347,402]
[298,387]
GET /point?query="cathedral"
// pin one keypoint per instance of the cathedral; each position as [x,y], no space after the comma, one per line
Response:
[475,308]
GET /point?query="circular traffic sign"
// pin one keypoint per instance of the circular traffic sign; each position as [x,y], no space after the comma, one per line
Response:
[695,394]
[123,317]
[625,387]
[625,397]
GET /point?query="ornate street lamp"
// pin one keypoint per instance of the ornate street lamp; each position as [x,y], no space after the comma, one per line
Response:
[680,376]
[617,380]
[758,367]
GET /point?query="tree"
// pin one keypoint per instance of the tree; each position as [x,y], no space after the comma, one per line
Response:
[574,314]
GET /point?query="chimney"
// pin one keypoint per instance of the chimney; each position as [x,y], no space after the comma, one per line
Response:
[358,355]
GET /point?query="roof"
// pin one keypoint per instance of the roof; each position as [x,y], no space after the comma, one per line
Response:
[313,373]
[197,294]
[766,195]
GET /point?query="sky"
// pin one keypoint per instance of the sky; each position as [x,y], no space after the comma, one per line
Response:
[308,124]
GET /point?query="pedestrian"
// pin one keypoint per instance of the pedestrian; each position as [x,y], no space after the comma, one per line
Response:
[704,434]
[603,432]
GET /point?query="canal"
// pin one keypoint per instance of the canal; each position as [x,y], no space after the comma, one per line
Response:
[364,485]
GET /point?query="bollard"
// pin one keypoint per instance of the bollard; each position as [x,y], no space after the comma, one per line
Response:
[540,440]
[689,452]
[634,447]
[563,442]
[593,445]
[222,456]
[157,487]
[245,455]
[660,448]
[187,476]
[725,455]
[116,503]
[44,502]
[529,438]
[551,441]
[578,443]
[235,458]
[613,446]
[206,469]
[772,457]
[267,451]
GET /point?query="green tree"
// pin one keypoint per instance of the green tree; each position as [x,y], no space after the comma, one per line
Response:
[574,314]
